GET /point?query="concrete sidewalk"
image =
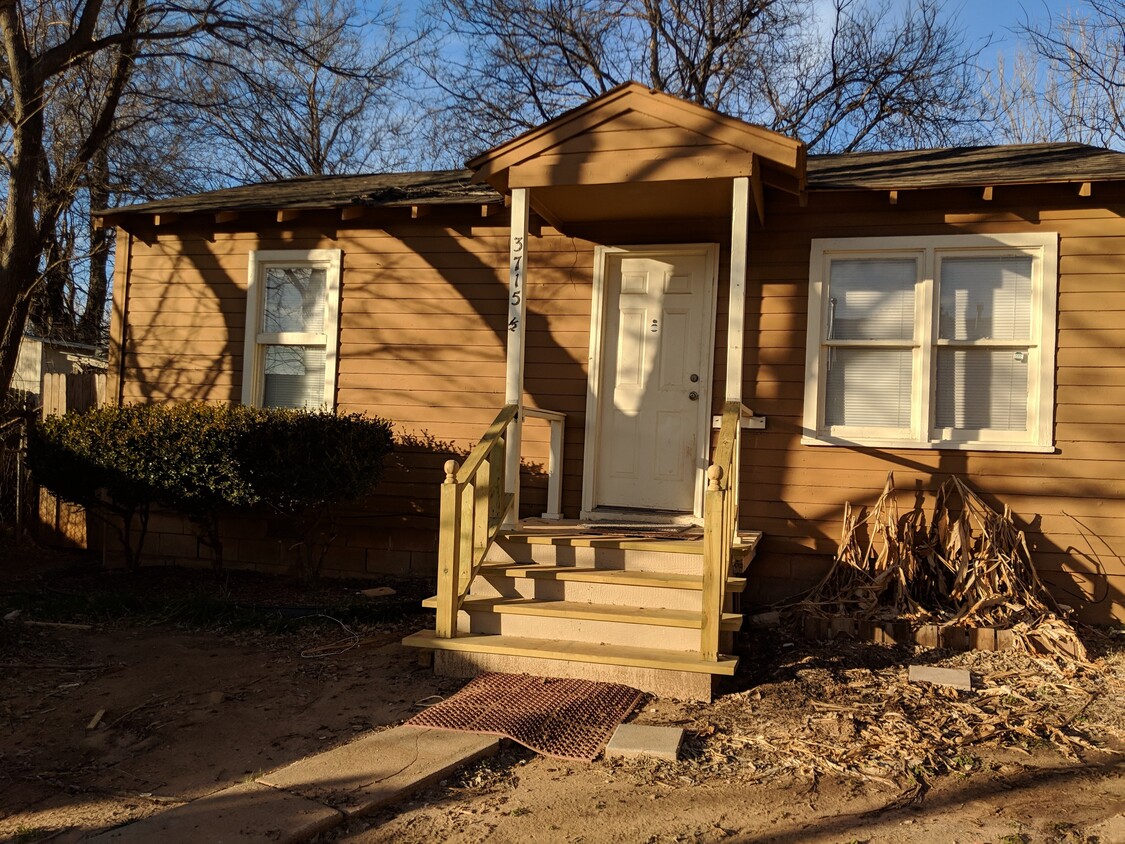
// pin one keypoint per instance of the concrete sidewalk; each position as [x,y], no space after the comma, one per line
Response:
[294,803]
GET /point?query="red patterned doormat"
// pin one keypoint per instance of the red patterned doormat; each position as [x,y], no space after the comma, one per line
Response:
[567,719]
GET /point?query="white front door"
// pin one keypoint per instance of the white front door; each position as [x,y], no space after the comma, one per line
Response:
[654,378]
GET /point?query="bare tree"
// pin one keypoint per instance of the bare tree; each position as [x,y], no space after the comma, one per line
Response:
[1069,84]
[43,45]
[87,88]
[334,107]
[857,78]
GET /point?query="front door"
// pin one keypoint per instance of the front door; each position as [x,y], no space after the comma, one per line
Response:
[655,378]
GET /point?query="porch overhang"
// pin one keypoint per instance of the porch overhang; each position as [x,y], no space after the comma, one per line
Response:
[637,154]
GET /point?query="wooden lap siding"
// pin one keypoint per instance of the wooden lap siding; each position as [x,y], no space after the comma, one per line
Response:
[1071,503]
[422,342]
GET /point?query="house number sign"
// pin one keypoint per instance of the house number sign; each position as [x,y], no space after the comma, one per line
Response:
[515,284]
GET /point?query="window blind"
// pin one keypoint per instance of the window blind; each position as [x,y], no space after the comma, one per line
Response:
[872,299]
[294,376]
[985,298]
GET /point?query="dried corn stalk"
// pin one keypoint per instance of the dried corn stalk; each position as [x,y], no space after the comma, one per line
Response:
[969,566]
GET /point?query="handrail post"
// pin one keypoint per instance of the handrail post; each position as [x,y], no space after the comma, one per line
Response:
[448,549]
[711,596]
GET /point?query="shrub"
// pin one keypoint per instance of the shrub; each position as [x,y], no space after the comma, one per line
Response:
[203,460]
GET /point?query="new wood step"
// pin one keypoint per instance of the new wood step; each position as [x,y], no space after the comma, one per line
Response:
[747,545]
[590,574]
[574,652]
[592,612]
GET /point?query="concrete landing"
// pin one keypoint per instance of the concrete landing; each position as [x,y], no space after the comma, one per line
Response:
[247,813]
[297,802]
[366,775]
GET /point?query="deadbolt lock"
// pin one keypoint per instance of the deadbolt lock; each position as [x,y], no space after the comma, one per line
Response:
[693,378]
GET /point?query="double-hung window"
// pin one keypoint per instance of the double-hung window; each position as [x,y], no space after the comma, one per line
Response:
[932,342]
[291,316]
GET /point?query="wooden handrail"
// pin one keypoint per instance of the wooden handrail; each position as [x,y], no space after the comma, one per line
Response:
[474,504]
[487,443]
[720,526]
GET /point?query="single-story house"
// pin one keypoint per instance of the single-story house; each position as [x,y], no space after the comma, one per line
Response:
[670,316]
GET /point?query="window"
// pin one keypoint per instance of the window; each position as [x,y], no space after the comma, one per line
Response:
[292,305]
[932,342]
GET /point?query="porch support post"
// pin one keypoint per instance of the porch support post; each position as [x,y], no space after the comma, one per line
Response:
[517,320]
[740,218]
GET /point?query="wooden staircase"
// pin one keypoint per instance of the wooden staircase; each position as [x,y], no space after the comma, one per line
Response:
[559,599]
[563,602]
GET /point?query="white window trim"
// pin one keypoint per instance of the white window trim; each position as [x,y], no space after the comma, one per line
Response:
[1043,247]
[253,380]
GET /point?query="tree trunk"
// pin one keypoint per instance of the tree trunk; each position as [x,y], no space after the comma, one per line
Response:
[92,321]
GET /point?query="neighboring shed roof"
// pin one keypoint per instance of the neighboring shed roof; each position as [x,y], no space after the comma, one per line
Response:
[321,192]
[966,166]
[954,167]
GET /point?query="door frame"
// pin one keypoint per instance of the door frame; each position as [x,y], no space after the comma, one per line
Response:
[598,317]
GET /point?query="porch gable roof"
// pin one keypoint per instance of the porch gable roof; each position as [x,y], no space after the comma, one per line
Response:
[634,134]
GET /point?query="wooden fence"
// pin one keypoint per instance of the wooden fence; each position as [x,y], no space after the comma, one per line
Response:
[62,524]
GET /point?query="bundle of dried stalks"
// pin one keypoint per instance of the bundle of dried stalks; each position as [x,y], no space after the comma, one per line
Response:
[968,565]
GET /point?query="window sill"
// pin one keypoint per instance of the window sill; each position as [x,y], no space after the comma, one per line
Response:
[1021,448]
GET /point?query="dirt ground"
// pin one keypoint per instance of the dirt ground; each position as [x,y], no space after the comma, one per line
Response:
[203,686]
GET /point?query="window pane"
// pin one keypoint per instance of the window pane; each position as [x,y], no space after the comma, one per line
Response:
[869,388]
[982,388]
[986,298]
[294,376]
[295,299]
[872,299]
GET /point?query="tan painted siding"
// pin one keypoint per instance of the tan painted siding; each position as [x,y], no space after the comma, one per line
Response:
[422,342]
[1070,502]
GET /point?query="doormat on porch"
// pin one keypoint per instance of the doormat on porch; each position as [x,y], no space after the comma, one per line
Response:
[626,531]
[566,719]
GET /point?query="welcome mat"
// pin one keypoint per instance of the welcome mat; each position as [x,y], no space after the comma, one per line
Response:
[566,719]
[629,531]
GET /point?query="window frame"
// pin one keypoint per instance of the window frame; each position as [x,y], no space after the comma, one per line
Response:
[253,366]
[929,252]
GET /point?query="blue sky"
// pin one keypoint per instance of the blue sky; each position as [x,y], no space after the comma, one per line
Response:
[997,18]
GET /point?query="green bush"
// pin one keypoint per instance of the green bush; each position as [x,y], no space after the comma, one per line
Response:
[205,460]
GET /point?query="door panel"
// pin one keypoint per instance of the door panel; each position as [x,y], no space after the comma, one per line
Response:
[656,312]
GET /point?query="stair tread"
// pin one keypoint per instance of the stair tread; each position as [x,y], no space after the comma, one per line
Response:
[747,544]
[592,612]
[592,574]
[574,651]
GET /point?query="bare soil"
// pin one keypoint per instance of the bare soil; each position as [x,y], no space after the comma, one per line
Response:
[204,684]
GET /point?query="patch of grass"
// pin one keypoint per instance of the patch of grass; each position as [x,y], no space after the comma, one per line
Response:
[520,811]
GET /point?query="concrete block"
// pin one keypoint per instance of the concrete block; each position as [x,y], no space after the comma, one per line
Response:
[631,740]
[247,814]
[958,678]
[380,768]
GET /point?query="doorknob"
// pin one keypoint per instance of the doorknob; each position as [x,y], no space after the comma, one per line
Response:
[693,395]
